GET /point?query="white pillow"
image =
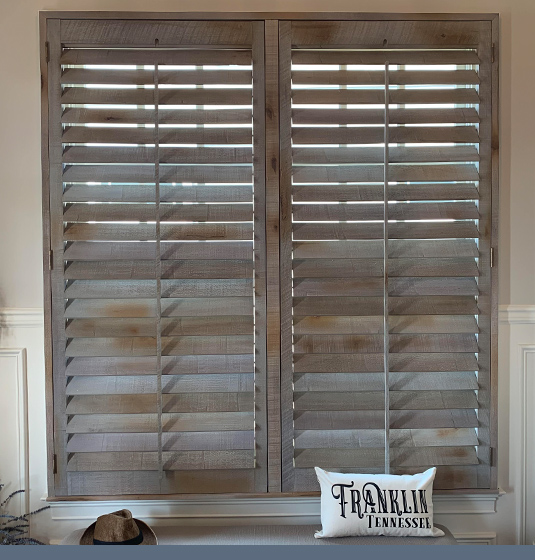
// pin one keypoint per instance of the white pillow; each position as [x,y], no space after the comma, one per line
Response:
[354,505]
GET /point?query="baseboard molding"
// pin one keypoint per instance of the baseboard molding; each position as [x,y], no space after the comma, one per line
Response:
[462,538]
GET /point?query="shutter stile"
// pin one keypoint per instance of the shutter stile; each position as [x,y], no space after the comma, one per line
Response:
[160,358]
[338,165]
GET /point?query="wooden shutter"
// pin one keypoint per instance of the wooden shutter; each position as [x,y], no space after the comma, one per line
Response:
[156,200]
[406,104]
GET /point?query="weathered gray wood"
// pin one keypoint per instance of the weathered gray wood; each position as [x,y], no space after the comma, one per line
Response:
[447,478]
[175,56]
[371,34]
[142,96]
[272,201]
[53,229]
[374,135]
[399,381]
[184,422]
[431,57]
[351,439]
[365,363]
[148,461]
[376,116]
[168,173]
[372,173]
[421,211]
[102,347]
[420,457]
[142,232]
[364,306]
[207,307]
[89,251]
[206,345]
[355,268]
[54,255]
[371,154]
[370,96]
[147,483]
[398,249]
[80,212]
[148,403]
[415,230]
[145,155]
[399,400]
[285,247]
[399,343]
[112,135]
[411,324]
[172,384]
[374,419]
[143,77]
[187,441]
[180,365]
[369,78]
[170,33]
[147,116]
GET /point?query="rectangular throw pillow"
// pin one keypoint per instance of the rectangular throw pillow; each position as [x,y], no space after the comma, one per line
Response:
[354,505]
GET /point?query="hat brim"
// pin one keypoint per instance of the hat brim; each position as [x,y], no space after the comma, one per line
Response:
[148,534]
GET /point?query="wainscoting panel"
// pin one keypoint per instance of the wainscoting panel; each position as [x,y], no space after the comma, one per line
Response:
[14,471]
[528,454]
[473,519]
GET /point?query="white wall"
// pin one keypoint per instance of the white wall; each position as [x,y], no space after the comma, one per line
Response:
[20,220]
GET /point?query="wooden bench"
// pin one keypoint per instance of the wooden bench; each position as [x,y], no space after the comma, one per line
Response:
[269,535]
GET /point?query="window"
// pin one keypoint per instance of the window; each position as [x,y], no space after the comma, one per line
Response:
[234,210]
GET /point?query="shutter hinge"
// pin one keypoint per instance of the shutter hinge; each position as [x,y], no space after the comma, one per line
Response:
[492,52]
[55,464]
[492,458]
[491,257]
[47,51]
[50,260]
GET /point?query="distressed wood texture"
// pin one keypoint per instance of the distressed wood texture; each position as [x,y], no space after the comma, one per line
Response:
[159,255]
[213,190]
[439,212]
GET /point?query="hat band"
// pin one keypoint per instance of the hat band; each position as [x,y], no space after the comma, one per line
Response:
[135,540]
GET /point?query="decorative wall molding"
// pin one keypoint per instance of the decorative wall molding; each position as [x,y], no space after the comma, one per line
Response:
[475,538]
[17,418]
[516,314]
[249,510]
[13,317]
[526,349]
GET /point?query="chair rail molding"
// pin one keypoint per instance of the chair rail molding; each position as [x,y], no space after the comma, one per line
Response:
[33,316]
[517,314]
[14,317]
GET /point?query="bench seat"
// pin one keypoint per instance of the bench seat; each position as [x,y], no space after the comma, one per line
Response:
[269,535]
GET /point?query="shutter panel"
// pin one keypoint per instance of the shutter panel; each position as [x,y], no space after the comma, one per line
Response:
[435,78]
[158,278]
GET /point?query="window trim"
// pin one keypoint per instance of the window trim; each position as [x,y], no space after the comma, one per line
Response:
[49,23]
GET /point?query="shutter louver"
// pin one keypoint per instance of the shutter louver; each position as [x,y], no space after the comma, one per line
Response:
[159,271]
[438,200]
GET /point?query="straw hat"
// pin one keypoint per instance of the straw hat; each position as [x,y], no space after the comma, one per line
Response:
[118,527]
